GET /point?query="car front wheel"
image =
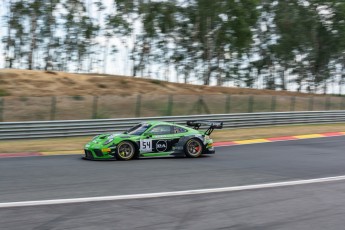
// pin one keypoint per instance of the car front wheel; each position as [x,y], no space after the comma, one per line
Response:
[125,151]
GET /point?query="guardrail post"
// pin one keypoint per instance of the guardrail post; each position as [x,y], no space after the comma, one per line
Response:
[2,105]
[250,103]
[311,104]
[293,103]
[138,106]
[53,108]
[228,104]
[94,107]
[327,103]
[170,105]
[273,103]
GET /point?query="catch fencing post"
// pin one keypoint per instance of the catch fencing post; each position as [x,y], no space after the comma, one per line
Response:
[228,104]
[311,104]
[293,103]
[327,103]
[2,105]
[53,108]
[203,103]
[138,106]
[343,104]
[273,103]
[170,105]
[199,104]
[250,103]
[94,107]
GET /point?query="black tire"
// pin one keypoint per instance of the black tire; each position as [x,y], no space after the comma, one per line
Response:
[193,148]
[125,151]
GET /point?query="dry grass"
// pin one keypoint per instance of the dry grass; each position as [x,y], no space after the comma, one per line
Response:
[77,143]
[42,145]
[40,83]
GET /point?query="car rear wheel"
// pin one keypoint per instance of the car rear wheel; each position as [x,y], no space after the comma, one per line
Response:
[193,148]
[125,151]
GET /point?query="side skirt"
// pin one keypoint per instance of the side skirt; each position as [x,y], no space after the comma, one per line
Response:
[160,154]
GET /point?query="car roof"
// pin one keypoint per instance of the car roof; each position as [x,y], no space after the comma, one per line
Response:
[153,123]
[158,123]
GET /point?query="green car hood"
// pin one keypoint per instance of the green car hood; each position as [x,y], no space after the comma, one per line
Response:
[116,137]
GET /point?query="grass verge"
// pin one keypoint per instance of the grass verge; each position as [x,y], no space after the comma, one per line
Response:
[77,143]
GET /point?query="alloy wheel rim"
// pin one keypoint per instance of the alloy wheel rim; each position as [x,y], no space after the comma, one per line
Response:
[126,150]
[194,148]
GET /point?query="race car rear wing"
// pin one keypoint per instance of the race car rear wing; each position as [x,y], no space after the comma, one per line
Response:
[212,125]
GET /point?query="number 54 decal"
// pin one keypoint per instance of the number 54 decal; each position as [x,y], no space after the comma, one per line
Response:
[146,145]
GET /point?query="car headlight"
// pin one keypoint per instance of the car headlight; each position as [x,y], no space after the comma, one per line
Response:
[108,141]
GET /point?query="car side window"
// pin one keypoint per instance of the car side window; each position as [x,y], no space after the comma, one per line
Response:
[179,130]
[161,130]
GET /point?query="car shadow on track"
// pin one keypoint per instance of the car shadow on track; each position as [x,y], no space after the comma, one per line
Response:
[150,158]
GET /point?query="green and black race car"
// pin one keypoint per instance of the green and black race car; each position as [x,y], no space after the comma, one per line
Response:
[154,138]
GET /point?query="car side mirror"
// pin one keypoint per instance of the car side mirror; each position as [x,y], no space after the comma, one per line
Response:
[148,135]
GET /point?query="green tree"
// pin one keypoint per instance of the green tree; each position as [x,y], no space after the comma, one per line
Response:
[48,32]
[201,32]
[120,24]
[307,40]
[79,32]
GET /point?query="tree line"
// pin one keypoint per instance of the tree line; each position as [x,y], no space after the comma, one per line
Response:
[277,44]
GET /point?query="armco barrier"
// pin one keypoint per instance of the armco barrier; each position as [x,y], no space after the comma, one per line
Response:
[69,128]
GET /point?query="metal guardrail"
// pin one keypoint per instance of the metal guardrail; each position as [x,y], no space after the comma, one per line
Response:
[70,128]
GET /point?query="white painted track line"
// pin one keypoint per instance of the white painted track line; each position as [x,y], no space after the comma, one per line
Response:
[170,194]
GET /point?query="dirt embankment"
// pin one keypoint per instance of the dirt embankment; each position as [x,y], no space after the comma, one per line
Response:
[15,82]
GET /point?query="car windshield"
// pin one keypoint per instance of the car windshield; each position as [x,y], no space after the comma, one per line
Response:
[138,129]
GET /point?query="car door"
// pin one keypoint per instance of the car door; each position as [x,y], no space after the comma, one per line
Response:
[159,139]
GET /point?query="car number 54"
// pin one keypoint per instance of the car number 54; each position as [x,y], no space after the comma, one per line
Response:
[146,145]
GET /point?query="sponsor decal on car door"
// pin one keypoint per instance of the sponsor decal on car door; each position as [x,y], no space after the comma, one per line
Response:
[161,146]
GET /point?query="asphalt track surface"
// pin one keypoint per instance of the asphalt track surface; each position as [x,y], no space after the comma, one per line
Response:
[311,206]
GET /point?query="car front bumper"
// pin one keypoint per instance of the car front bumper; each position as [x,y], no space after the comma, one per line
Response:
[97,154]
